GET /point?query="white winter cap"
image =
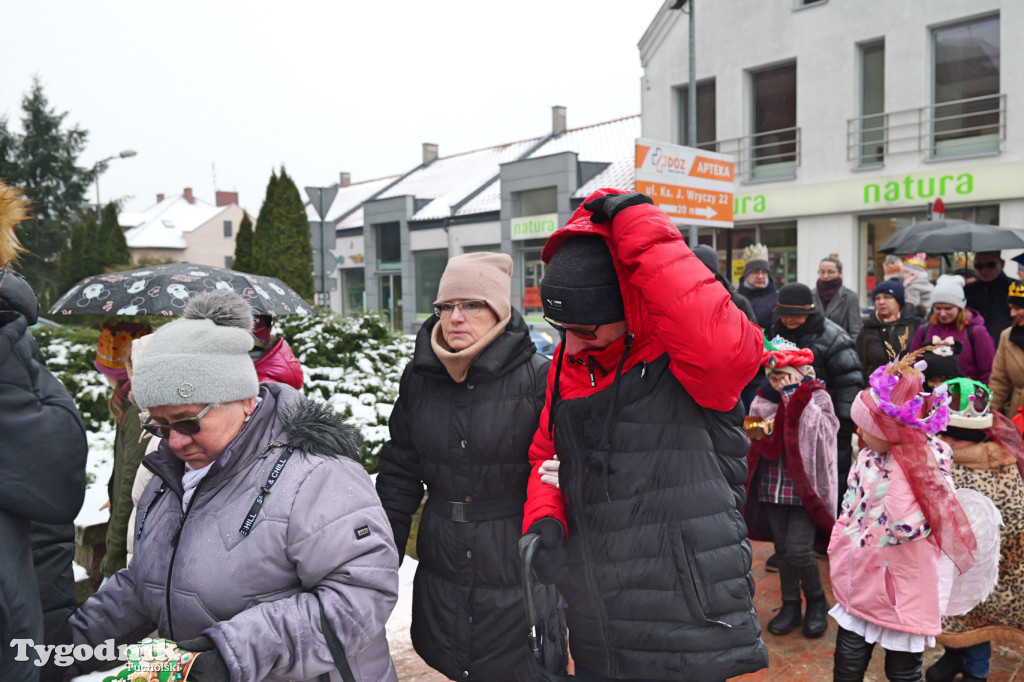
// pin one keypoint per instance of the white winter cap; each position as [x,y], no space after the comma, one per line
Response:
[950,289]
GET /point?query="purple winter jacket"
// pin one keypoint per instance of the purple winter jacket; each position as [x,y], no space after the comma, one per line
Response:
[979,350]
[321,533]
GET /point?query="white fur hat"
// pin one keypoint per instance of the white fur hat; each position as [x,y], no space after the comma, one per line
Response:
[195,362]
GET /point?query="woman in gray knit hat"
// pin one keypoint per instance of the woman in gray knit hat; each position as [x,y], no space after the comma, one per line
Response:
[467,410]
[260,543]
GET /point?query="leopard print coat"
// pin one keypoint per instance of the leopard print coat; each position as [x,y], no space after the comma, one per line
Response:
[992,471]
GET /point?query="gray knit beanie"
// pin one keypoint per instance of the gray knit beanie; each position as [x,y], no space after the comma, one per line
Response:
[950,289]
[581,285]
[195,362]
[225,307]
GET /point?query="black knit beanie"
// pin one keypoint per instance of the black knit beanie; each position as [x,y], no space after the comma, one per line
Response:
[580,284]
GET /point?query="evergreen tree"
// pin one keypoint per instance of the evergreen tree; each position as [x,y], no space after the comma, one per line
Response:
[295,244]
[243,246]
[77,258]
[92,258]
[43,162]
[115,246]
[263,237]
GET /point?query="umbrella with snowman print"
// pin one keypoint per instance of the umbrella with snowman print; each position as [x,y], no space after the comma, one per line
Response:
[165,289]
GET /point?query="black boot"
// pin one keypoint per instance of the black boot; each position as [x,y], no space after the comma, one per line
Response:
[816,618]
[946,668]
[788,618]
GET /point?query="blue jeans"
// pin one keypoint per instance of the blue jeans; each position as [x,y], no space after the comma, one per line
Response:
[975,658]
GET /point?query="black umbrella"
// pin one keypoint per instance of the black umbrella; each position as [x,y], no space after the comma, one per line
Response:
[950,236]
[165,289]
[547,645]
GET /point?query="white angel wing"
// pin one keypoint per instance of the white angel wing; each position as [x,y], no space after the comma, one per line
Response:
[958,594]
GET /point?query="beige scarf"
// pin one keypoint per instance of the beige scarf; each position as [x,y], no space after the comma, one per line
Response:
[458,362]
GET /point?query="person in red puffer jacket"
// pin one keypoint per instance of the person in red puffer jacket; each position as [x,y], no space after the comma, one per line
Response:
[644,537]
[273,356]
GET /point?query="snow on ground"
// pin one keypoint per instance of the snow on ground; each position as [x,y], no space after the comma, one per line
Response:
[98,468]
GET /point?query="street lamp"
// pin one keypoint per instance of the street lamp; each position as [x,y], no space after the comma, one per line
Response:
[99,167]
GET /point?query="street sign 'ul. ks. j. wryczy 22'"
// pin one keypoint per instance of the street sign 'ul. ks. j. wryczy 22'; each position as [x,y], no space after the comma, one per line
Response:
[693,186]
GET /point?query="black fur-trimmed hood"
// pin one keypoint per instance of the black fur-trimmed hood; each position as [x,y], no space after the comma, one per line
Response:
[309,427]
[315,429]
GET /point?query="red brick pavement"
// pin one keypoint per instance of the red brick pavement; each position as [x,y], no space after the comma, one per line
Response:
[791,658]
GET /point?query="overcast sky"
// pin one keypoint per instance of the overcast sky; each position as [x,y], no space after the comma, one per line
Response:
[238,88]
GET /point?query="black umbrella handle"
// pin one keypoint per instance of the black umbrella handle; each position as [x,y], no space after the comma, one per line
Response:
[527,548]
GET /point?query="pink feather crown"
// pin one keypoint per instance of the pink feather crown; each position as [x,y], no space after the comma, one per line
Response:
[926,411]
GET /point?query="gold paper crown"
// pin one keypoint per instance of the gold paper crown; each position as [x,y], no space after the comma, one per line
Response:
[1016,290]
[916,260]
[755,252]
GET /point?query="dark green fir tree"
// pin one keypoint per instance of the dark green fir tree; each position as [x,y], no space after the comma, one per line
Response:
[243,261]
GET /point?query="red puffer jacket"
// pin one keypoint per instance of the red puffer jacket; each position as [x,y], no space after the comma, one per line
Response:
[673,305]
[279,364]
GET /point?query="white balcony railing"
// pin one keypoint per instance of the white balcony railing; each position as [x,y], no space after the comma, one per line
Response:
[771,155]
[966,127]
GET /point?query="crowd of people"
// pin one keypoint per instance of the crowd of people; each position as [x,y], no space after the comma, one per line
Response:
[590,512]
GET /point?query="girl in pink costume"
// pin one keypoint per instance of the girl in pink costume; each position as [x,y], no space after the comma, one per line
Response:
[899,514]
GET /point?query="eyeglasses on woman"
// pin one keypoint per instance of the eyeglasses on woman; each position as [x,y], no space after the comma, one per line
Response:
[468,308]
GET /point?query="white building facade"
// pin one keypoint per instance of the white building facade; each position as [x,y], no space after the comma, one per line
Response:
[846,120]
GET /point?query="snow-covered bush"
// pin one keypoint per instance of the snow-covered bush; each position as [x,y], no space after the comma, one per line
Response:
[353,365]
[69,353]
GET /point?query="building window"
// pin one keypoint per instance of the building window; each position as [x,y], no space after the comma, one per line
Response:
[780,238]
[229,261]
[982,215]
[480,248]
[872,104]
[705,115]
[227,228]
[535,202]
[429,268]
[533,273]
[354,297]
[389,246]
[774,143]
[967,106]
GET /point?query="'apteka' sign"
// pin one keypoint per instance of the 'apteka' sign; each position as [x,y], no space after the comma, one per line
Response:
[691,185]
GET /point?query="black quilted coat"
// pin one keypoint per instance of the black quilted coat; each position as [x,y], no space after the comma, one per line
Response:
[836,361]
[468,442]
[42,466]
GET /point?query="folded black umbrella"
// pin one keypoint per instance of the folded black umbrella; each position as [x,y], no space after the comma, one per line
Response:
[165,289]
[950,236]
[547,644]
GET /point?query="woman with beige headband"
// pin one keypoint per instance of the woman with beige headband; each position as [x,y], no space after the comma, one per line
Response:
[467,410]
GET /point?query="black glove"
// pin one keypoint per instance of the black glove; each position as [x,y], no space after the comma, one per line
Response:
[604,208]
[549,562]
[209,665]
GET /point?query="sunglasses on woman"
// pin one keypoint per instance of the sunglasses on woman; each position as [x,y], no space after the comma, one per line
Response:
[589,334]
[188,427]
